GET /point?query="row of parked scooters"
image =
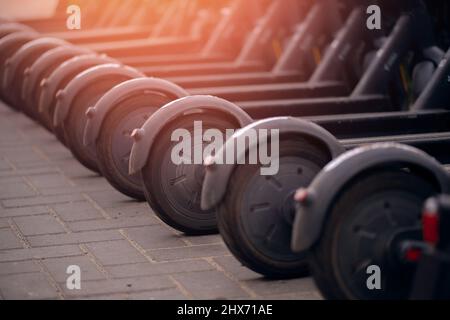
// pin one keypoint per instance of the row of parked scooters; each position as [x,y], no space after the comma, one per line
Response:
[362,119]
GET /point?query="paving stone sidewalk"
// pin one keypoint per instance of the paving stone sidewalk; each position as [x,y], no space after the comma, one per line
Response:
[55,213]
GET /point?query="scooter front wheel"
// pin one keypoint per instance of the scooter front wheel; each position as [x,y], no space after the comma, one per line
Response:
[114,142]
[255,218]
[364,228]
[174,190]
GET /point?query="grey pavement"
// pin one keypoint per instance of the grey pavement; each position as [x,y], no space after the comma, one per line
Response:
[55,213]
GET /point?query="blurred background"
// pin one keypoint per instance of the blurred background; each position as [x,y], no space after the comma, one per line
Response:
[26,9]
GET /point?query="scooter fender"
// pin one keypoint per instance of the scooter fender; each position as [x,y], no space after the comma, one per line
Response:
[11,41]
[13,63]
[67,95]
[11,27]
[145,137]
[313,206]
[32,73]
[97,114]
[214,192]
[50,84]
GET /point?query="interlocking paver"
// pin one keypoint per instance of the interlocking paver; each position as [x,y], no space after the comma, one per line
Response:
[8,240]
[210,285]
[108,224]
[102,287]
[27,286]
[52,180]
[73,238]
[154,237]
[132,210]
[111,198]
[307,295]
[41,200]
[23,155]
[209,239]
[54,151]
[76,211]
[265,287]
[18,267]
[15,190]
[39,253]
[18,212]
[36,225]
[55,213]
[38,166]
[58,268]
[88,180]
[192,252]
[164,294]
[4,223]
[4,165]
[70,190]
[148,268]
[262,286]
[76,172]
[27,172]
[116,252]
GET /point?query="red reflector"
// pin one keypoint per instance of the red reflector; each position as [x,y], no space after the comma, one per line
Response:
[413,255]
[430,222]
[301,196]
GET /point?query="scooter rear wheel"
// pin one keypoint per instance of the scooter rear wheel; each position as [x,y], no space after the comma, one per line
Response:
[364,228]
[174,191]
[40,70]
[75,122]
[57,81]
[114,142]
[9,45]
[255,218]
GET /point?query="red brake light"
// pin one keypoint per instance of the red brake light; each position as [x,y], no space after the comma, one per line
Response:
[430,221]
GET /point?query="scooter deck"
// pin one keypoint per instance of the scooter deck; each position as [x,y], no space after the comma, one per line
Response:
[221,80]
[173,59]
[226,67]
[157,46]
[295,90]
[321,106]
[435,144]
[384,123]
[104,35]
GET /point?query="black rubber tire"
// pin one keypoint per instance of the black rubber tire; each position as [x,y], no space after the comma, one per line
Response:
[241,231]
[188,218]
[117,175]
[327,257]
[75,122]
[72,128]
[59,133]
